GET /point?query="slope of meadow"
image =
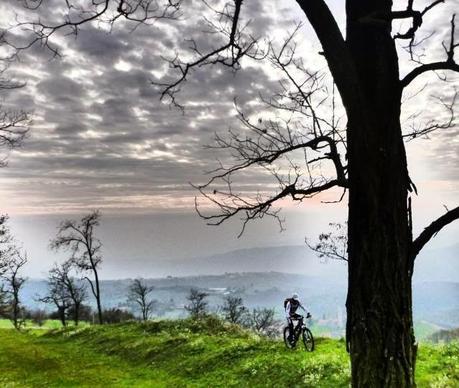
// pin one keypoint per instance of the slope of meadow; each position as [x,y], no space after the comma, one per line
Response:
[186,353]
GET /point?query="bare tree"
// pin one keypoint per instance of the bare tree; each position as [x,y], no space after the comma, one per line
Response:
[366,155]
[139,294]
[58,296]
[197,307]
[65,292]
[234,310]
[14,283]
[333,244]
[262,321]
[79,238]
[77,293]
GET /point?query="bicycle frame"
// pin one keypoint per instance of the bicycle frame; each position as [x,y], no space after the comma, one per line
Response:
[297,329]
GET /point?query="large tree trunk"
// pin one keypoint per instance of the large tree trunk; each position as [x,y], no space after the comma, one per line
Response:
[379,327]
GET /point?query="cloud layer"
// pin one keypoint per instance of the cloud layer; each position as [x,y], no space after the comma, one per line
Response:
[101,138]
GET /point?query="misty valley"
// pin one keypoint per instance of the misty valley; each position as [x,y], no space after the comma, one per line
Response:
[436,304]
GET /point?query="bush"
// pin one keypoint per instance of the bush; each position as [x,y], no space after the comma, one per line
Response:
[38,317]
[86,313]
[116,315]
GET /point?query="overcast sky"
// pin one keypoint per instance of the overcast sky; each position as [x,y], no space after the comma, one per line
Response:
[101,138]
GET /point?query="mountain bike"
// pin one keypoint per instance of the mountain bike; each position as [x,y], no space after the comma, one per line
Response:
[300,330]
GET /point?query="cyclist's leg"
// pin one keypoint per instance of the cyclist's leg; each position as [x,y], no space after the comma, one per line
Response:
[290,328]
[298,318]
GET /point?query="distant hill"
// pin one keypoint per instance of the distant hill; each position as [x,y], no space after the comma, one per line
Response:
[439,295]
[289,259]
[297,259]
[432,264]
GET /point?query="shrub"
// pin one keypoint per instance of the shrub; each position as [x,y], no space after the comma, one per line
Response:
[116,315]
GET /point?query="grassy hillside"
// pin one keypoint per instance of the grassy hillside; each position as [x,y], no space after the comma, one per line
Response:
[185,353]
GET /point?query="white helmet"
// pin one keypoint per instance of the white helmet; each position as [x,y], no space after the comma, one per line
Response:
[295,296]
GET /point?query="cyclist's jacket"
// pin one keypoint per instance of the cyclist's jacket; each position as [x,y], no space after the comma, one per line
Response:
[291,306]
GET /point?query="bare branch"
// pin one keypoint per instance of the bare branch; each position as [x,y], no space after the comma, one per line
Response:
[417,17]
[448,64]
[431,231]
[428,67]
[76,15]
[238,45]
[251,209]
[434,125]
[290,147]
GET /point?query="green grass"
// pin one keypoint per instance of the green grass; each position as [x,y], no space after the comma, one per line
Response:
[48,324]
[187,354]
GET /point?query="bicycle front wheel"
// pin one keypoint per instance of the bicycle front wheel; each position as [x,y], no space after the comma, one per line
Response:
[308,340]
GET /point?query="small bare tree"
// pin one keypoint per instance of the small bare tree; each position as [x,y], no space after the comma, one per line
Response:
[58,297]
[139,294]
[66,292]
[78,237]
[14,283]
[234,310]
[198,303]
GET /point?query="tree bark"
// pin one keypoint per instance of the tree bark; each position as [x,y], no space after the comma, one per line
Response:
[76,313]
[96,292]
[97,295]
[61,312]
[379,329]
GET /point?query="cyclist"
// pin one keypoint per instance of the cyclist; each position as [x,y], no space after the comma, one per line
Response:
[291,305]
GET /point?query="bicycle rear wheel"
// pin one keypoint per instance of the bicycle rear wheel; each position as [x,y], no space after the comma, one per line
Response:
[289,338]
[308,340]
